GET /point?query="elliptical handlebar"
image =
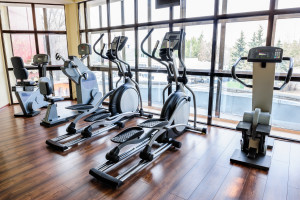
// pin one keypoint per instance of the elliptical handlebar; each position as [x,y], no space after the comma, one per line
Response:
[153,52]
[234,76]
[117,56]
[286,81]
[59,57]
[289,73]
[101,52]
[180,52]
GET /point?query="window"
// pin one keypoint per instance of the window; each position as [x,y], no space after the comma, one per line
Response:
[239,38]
[287,36]
[288,4]
[198,8]
[159,14]
[16,16]
[122,12]
[97,14]
[51,44]
[143,11]
[198,43]
[21,38]
[22,45]
[95,59]
[238,6]
[50,18]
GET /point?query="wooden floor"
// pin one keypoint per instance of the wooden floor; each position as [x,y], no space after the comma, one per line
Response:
[199,170]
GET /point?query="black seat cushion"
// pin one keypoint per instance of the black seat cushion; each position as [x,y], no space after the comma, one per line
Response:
[54,99]
[19,69]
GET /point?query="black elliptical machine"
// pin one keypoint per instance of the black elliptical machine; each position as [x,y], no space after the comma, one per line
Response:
[125,104]
[163,131]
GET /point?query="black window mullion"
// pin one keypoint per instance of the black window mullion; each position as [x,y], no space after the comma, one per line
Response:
[136,41]
[270,22]
[213,60]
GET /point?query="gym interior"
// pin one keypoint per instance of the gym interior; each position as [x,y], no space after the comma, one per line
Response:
[150,99]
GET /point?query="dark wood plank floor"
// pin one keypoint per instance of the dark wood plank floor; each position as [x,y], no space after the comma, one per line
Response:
[199,170]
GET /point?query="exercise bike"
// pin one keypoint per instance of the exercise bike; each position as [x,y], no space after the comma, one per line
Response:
[255,126]
[125,103]
[27,92]
[86,89]
[163,131]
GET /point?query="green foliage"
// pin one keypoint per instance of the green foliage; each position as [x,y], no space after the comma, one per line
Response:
[239,49]
[198,48]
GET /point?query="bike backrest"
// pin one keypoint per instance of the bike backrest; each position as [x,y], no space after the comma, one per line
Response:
[46,87]
[19,69]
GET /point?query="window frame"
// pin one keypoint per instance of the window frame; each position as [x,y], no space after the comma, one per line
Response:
[34,32]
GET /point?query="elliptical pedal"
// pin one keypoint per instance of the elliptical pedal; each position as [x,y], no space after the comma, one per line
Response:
[80,107]
[128,134]
[153,123]
[97,116]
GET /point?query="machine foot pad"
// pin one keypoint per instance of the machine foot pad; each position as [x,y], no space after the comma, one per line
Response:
[261,162]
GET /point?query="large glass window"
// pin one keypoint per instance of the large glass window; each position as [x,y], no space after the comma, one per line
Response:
[50,18]
[51,44]
[95,59]
[122,12]
[237,38]
[22,45]
[198,8]
[21,38]
[288,4]
[238,6]
[96,14]
[16,16]
[287,36]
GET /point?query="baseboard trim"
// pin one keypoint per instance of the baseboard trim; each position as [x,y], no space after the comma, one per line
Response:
[4,106]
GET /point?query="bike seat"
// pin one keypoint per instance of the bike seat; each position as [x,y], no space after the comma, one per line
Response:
[153,123]
[54,99]
[80,107]
[97,116]
[128,134]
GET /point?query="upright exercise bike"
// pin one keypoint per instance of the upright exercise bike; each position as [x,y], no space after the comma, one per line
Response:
[172,123]
[87,91]
[27,92]
[125,103]
[256,125]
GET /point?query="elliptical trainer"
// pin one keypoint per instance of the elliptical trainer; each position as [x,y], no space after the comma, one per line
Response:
[27,92]
[172,123]
[125,103]
[255,126]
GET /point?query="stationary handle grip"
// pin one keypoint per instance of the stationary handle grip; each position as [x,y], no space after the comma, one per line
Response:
[234,76]
[289,73]
[286,81]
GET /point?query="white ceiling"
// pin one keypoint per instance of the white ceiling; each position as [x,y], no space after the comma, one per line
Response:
[45,1]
